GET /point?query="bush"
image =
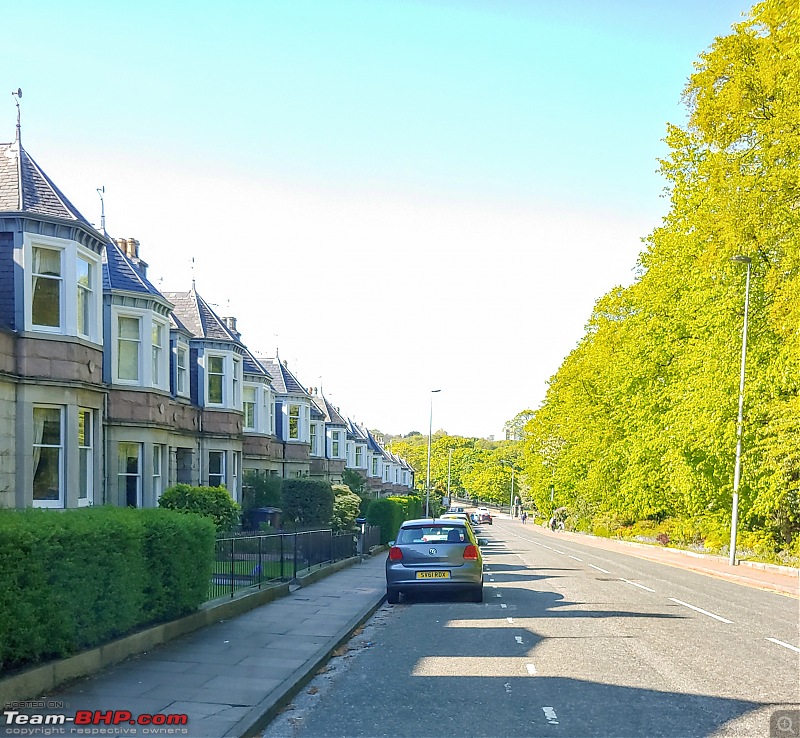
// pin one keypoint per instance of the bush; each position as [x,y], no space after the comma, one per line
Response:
[76,579]
[411,505]
[346,506]
[215,503]
[307,502]
[259,490]
[387,514]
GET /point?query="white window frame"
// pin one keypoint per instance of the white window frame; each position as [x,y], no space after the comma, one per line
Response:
[158,471]
[86,457]
[222,473]
[59,279]
[236,383]
[336,444]
[118,339]
[88,291]
[125,474]
[290,416]
[158,352]
[181,370]
[69,253]
[250,408]
[208,358]
[313,438]
[59,502]
[358,459]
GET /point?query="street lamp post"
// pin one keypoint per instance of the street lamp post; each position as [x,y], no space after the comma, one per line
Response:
[737,474]
[511,501]
[428,477]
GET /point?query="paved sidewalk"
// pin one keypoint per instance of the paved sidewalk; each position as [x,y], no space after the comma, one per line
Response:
[230,679]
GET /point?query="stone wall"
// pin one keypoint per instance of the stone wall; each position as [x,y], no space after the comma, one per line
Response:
[60,358]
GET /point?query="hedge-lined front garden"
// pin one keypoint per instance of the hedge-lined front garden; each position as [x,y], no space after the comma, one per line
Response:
[78,578]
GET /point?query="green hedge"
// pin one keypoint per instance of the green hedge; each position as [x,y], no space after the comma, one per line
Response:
[215,503]
[411,504]
[72,580]
[307,502]
[388,514]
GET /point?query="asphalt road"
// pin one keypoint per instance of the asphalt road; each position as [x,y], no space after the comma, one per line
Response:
[571,640]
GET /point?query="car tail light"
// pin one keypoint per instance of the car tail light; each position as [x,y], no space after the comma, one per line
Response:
[395,554]
[470,553]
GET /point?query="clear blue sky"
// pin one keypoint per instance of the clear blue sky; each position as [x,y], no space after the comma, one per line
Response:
[402,195]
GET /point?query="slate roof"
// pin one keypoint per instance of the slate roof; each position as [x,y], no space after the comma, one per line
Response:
[197,315]
[24,187]
[356,432]
[331,414]
[316,412]
[283,380]
[373,444]
[120,273]
[254,366]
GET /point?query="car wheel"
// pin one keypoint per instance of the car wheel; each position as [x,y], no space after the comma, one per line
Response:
[477,594]
[392,595]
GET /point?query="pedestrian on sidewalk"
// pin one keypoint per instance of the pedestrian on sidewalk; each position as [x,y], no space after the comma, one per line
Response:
[524,517]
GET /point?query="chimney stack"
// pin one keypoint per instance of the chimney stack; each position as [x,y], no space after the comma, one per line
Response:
[130,247]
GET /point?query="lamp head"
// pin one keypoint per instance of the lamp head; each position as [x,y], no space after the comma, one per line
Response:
[741,259]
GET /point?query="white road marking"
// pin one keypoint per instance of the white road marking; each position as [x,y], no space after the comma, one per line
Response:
[550,714]
[493,586]
[705,612]
[599,569]
[531,669]
[503,605]
[498,595]
[510,620]
[574,557]
[518,639]
[785,645]
[636,584]
[559,552]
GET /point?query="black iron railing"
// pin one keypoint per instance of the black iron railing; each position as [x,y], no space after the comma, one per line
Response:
[241,562]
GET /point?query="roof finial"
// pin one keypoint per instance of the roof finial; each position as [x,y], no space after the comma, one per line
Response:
[18,95]
[193,289]
[101,191]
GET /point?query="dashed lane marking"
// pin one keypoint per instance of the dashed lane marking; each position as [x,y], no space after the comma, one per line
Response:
[785,645]
[705,612]
[605,571]
[636,584]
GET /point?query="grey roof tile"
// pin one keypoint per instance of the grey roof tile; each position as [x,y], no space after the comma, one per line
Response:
[24,187]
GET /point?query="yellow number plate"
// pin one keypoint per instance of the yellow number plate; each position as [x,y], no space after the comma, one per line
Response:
[433,575]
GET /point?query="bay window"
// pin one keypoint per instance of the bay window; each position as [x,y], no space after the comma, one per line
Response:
[128,348]
[216,379]
[86,301]
[85,457]
[182,370]
[46,293]
[48,457]
[249,408]
[216,468]
[294,422]
[129,474]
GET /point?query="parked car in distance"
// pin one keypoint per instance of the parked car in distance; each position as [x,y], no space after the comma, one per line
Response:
[484,517]
[460,516]
[434,555]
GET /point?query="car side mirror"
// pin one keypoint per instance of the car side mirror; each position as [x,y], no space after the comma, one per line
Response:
[483,542]
[391,543]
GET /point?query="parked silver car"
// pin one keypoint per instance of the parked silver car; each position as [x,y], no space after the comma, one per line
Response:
[434,555]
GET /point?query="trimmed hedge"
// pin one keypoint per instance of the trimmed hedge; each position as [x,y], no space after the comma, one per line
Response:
[412,505]
[388,514]
[74,579]
[307,502]
[213,502]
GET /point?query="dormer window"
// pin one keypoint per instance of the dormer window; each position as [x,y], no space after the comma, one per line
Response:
[249,407]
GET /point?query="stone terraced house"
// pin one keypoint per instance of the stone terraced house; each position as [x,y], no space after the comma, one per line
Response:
[111,390]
